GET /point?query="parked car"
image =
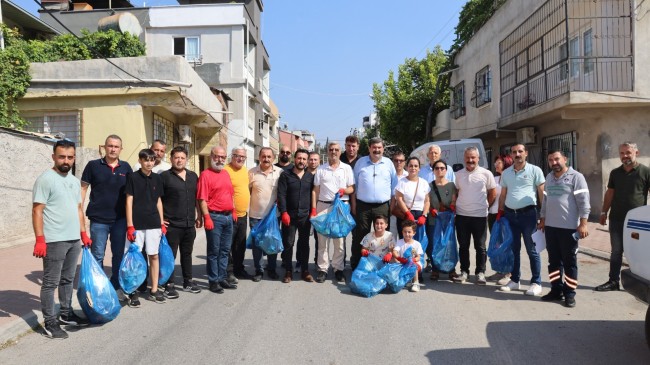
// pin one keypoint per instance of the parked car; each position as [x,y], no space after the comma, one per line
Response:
[452,151]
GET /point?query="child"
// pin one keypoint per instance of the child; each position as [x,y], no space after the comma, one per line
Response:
[380,242]
[408,243]
[144,219]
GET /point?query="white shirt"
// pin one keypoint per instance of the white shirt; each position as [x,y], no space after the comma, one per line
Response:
[472,191]
[401,247]
[407,188]
[494,209]
[332,179]
[378,246]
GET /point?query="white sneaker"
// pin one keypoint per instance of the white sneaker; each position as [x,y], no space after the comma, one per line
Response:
[510,286]
[415,287]
[534,290]
[504,280]
[480,279]
[461,278]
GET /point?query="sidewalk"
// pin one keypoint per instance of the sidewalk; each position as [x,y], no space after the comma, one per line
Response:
[20,307]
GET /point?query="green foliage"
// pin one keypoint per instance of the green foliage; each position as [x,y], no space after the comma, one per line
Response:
[364,146]
[14,79]
[474,14]
[402,101]
[114,44]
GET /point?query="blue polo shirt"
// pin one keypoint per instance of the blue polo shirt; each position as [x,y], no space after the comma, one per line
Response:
[107,199]
[375,182]
[522,185]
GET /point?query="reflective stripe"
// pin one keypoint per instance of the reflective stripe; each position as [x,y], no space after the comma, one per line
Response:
[572,286]
[555,275]
[570,280]
[580,191]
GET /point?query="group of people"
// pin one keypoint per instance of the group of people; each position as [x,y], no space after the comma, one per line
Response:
[138,207]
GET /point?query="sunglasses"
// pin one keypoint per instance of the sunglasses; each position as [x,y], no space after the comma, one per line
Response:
[399,161]
[285,152]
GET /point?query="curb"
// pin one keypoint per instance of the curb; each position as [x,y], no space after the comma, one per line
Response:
[602,255]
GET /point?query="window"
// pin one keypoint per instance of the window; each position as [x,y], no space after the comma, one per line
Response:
[483,87]
[458,101]
[565,142]
[588,50]
[65,124]
[188,47]
[163,129]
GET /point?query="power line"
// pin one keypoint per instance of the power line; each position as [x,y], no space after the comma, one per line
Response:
[439,31]
[317,92]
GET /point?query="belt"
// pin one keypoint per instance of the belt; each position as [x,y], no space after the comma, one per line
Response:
[374,204]
[521,210]
[223,212]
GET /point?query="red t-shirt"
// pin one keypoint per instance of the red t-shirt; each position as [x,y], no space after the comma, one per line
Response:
[216,189]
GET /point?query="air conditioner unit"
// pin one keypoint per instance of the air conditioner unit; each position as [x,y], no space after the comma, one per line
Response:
[185,133]
[526,135]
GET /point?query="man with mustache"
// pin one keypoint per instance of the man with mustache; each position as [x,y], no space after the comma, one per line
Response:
[58,224]
[284,160]
[312,164]
[565,209]
[627,189]
[159,147]
[239,178]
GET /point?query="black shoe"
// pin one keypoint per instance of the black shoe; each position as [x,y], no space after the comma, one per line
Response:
[608,286]
[170,291]
[272,274]
[340,277]
[52,329]
[227,285]
[156,297]
[553,296]
[257,277]
[243,275]
[190,286]
[73,320]
[134,300]
[321,276]
[570,302]
[216,288]
[232,279]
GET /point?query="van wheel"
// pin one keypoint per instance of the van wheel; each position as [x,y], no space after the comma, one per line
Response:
[647,327]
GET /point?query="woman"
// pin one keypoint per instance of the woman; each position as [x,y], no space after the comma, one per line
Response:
[501,163]
[412,195]
[442,196]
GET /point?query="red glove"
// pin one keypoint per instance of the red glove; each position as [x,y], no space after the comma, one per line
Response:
[364,252]
[409,216]
[422,220]
[286,220]
[500,214]
[40,248]
[130,233]
[341,192]
[313,212]
[433,213]
[452,208]
[85,239]
[403,260]
[207,222]
[163,228]
[234,216]
[387,257]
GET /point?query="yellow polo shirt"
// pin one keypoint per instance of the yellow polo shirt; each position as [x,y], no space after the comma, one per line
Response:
[239,179]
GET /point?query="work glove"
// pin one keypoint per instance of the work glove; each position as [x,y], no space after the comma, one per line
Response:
[364,252]
[207,222]
[387,257]
[433,213]
[409,216]
[422,220]
[500,214]
[130,233]
[452,208]
[87,242]
[40,248]
[341,192]
[403,260]
[313,212]
[163,228]
[286,220]
[234,216]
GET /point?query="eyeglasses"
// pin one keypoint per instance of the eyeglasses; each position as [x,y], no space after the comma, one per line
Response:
[238,156]
[285,152]
[218,157]
[440,168]
[399,161]
[334,149]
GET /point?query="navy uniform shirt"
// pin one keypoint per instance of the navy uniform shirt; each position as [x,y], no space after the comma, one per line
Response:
[107,199]
[179,199]
[145,191]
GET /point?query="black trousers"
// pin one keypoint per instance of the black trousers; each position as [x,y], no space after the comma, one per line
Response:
[303,227]
[366,213]
[183,239]
[562,259]
[238,248]
[468,228]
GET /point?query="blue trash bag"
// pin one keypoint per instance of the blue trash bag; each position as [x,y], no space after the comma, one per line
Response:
[367,284]
[95,293]
[500,249]
[421,236]
[445,250]
[398,275]
[167,262]
[133,269]
[370,263]
[337,223]
[266,235]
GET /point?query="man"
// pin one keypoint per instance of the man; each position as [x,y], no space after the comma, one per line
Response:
[239,178]
[284,160]
[433,154]
[398,161]
[375,179]
[263,185]
[351,154]
[331,178]
[627,189]
[312,165]
[159,147]
[565,209]
[476,192]
[294,205]
[520,185]
[313,162]
[106,209]
[58,222]
[215,195]
[182,214]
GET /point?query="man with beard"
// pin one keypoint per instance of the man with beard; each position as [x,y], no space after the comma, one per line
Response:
[182,215]
[521,184]
[215,196]
[58,222]
[159,147]
[294,205]
[239,178]
[627,189]
[565,209]
[284,160]
[476,192]
[312,165]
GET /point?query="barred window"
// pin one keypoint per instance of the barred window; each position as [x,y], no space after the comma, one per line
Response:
[163,129]
[565,142]
[64,124]
[458,101]
[482,87]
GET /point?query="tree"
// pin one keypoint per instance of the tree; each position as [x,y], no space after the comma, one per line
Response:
[402,101]
[472,16]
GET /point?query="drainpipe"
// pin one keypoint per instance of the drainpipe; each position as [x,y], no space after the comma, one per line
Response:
[245,65]
[2,38]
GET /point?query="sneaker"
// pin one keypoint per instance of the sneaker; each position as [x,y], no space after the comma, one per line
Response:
[156,296]
[480,279]
[534,290]
[170,291]
[570,302]
[461,278]
[232,279]
[321,276]
[504,280]
[272,274]
[553,295]
[191,287]
[297,269]
[415,287]
[257,277]
[340,277]
[73,320]
[134,300]
[52,329]
[511,286]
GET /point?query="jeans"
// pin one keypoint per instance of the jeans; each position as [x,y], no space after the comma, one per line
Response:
[366,213]
[302,226]
[99,233]
[524,224]
[258,253]
[183,239]
[238,249]
[468,228]
[219,242]
[616,258]
[562,260]
[59,269]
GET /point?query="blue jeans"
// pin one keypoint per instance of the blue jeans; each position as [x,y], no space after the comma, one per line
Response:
[524,224]
[99,233]
[258,253]
[219,241]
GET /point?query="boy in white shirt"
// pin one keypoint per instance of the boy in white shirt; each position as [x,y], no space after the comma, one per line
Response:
[408,243]
[380,242]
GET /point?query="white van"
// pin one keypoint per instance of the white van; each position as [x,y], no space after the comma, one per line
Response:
[452,151]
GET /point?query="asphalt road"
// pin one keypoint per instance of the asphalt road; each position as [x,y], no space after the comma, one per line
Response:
[308,323]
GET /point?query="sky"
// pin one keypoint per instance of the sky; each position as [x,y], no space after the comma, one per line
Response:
[325,55]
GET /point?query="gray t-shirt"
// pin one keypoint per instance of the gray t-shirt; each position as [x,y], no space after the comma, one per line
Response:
[446,191]
[61,196]
[566,200]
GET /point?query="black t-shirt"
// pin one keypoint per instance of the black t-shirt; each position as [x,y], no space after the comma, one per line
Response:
[630,190]
[344,159]
[146,190]
[285,168]
[179,200]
